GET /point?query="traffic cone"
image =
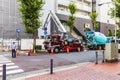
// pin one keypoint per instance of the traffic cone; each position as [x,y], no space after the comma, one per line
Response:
[67,50]
[3,50]
[17,53]
[34,53]
[52,52]
[78,49]
[86,45]
[10,50]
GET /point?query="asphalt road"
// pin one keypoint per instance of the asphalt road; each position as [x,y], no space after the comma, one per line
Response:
[42,61]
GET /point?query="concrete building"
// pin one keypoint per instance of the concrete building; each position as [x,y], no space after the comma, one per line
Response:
[106,22]
[60,7]
[10,20]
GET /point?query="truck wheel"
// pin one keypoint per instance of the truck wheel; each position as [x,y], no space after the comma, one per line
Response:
[56,50]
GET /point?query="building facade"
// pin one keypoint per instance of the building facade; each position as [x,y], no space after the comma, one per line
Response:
[10,20]
[84,8]
[10,16]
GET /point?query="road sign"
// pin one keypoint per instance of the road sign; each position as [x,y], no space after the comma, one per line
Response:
[18,30]
[45,33]
[45,28]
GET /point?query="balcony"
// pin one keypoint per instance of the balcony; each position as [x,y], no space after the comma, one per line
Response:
[80,6]
[88,0]
[67,13]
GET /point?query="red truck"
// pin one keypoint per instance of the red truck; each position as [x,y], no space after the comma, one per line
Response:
[57,44]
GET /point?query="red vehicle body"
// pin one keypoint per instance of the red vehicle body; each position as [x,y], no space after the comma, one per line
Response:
[57,45]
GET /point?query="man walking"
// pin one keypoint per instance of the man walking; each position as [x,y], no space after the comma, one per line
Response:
[13,50]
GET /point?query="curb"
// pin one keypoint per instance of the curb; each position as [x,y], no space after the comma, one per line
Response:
[24,75]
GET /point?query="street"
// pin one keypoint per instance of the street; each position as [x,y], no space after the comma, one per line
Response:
[42,61]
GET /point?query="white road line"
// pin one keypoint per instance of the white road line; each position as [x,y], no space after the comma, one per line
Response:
[13,71]
[7,61]
[9,67]
[7,64]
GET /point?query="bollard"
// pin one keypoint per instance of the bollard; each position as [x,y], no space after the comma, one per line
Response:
[103,56]
[96,57]
[4,72]
[51,66]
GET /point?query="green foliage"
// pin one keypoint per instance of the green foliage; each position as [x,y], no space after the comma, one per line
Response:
[30,13]
[70,22]
[118,33]
[38,48]
[110,33]
[93,17]
[115,12]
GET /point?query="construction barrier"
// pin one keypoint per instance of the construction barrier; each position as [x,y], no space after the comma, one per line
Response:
[67,50]
[78,49]
[17,53]
[52,51]
[34,53]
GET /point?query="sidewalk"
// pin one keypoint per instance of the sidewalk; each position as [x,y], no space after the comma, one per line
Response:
[86,71]
[91,71]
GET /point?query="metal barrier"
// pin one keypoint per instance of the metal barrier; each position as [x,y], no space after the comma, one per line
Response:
[96,54]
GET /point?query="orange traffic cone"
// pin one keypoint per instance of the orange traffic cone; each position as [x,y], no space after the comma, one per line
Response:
[78,49]
[34,53]
[10,50]
[17,53]
[3,50]
[86,45]
[52,52]
[67,50]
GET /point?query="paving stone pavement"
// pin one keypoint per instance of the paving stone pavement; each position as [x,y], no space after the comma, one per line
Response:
[83,72]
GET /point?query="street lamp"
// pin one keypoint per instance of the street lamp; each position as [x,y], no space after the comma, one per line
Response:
[114,15]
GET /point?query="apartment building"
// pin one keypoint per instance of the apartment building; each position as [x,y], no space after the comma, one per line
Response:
[10,16]
[60,7]
[106,22]
[84,7]
[10,20]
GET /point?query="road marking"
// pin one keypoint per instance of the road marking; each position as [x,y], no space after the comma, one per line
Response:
[7,64]
[11,68]
[4,62]
[13,71]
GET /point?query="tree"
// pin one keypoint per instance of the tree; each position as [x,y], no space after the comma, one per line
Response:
[93,17]
[115,13]
[30,14]
[110,32]
[70,22]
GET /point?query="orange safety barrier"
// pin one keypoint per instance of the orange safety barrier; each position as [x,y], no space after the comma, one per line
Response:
[10,50]
[34,53]
[17,53]
[67,50]
[78,49]
[3,50]
[52,52]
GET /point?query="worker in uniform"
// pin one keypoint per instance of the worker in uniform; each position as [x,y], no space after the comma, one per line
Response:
[13,47]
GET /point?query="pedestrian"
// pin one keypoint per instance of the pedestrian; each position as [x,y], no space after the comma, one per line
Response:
[13,50]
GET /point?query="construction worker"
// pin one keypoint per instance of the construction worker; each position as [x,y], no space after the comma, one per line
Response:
[13,47]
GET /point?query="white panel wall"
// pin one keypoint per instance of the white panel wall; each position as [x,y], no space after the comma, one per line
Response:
[103,11]
[49,5]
